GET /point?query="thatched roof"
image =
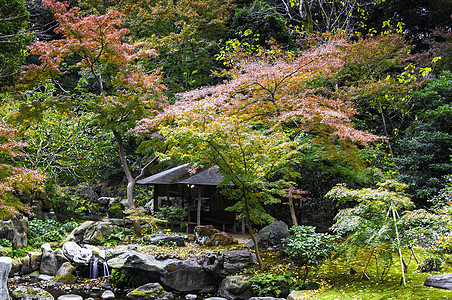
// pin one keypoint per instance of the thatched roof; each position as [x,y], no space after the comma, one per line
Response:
[210,176]
[170,176]
[180,174]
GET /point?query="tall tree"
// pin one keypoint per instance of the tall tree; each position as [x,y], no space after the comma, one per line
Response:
[114,85]
[250,125]
[13,39]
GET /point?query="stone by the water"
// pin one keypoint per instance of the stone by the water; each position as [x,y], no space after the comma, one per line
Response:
[6,264]
[27,293]
[108,295]
[70,297]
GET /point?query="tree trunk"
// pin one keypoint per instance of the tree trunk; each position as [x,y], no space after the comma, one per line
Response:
[292,210]
[125,166]
[253,238]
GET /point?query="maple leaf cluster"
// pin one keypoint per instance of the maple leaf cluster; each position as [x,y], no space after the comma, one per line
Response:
[14,179]
[273,89]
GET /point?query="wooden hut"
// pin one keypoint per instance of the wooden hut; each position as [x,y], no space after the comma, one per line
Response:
[198,193]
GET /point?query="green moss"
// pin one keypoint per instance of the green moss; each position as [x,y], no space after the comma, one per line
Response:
[129,278]
[116,210]
[342,286]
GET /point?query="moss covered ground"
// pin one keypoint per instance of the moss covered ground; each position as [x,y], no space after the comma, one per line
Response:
[337,283]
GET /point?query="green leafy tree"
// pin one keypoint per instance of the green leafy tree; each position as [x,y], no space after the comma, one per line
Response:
[114,85]
[13,39]
[373,222]
[425,150]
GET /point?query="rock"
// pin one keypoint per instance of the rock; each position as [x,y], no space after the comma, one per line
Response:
[66,274]
[116,210]
[215,298]
[225,263]
[9,231]
[35,260]
[443,281]
[96,232]
[150,291]
[23,226]
[31,293]
[118,250]
[15,269]
[25,265]
[162,239]
[77,254]
[191,297]
[188,277]
[270,236]
[235,287]
[119,222]
[45,277]
[297,295]
[70,297]
[20,240]
[207,235]
[48,261]
[140,261]
[6,264]
[79,232]
[60,258]
[108,295]
[87,193]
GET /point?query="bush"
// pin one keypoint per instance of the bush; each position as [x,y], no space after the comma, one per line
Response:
[306,247]
[270,285]
[171,213]
[45,231]
[431,264]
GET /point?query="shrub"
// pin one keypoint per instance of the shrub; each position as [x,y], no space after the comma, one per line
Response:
[431,264]
[270,285]
[306,247]
[171,213]
[5,242]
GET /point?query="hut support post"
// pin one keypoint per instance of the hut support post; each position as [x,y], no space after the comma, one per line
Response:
[198,211]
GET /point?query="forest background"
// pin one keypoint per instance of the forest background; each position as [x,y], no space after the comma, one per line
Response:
[287,97]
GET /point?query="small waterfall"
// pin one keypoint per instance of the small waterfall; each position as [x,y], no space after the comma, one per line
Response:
[106,271]
[95,271]
[93,267]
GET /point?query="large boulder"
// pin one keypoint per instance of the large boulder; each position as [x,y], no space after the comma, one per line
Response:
[270,237]
[235,288]
[207,235]
[225,263]
[60,258]
[48,261]
[188,277]
[443,281]
[17,237]
[35,260]
[139,261]
[6,264]
[77,254]
[95,233]
[91,232]
[163,239]
[150,291]
[31,293]
[66,274]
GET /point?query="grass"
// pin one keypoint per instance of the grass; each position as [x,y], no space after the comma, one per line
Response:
[336,283]
[345,287]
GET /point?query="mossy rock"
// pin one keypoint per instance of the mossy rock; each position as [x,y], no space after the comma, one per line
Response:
[129,278]
[26,292]
[150,291]
[116,210]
